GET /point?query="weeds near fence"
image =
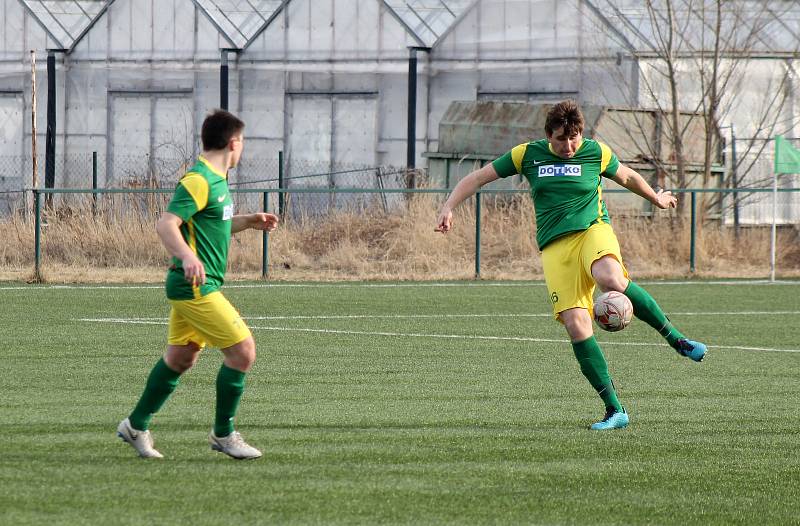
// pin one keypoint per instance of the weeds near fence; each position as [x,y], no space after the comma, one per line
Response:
[115,240]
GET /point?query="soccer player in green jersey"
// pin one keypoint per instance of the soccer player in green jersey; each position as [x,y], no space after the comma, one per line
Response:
[196,230]
[573,231]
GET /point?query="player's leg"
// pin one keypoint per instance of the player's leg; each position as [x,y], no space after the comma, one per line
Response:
[570,289]
[610,274]
[162,381]
[590,357]
[239,358]
[182,352]
[222,325]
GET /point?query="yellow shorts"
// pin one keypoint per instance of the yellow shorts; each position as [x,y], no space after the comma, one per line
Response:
[209,319]
[567,264]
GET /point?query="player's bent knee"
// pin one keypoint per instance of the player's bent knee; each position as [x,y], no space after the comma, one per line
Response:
[577,323]
[608,274]
[241,356]
[609,283]
[181,358]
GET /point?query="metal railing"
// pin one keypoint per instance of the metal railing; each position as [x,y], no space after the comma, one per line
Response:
[266,192]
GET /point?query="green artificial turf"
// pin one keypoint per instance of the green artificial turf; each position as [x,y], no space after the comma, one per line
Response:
[450,403]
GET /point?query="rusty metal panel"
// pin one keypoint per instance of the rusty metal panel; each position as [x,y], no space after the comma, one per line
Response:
[631,135]
[694,139]
[489,127]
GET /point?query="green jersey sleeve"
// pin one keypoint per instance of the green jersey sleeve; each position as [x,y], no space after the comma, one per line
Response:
[609,164]
[190,197]
[510,163]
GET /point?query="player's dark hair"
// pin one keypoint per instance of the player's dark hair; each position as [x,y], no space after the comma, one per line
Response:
[218,129]
[565,114]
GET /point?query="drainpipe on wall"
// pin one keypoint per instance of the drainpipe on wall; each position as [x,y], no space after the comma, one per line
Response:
[50,142]
[411,135]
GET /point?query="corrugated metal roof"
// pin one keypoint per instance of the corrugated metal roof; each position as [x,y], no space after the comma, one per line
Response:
[66,21]
[429,20]
[746,25]
[240,21]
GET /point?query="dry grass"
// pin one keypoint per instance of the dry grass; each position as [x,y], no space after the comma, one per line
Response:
[123,246]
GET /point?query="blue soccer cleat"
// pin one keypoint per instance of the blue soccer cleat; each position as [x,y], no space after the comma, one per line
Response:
[614,419]
[691,349]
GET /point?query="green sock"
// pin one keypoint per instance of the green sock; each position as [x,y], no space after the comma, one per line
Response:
[646,309]
[230,386]
[160,384]
[595,369]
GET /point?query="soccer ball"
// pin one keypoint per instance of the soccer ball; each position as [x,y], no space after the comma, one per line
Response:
[612,311]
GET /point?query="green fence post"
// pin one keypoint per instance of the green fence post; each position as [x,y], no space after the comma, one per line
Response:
[265,243]
[694,232]
[477,235]
[37,235]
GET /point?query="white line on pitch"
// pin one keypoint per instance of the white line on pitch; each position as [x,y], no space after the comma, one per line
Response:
[439,336]
[391,285]
[453,316]
[500,338]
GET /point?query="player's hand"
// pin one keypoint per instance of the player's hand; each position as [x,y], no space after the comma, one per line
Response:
[193,270]
[665,199]
[264,221]
[445,221]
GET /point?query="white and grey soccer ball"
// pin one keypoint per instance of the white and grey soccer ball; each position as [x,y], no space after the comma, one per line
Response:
[612,311]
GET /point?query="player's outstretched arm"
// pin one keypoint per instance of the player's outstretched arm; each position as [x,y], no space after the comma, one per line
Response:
[630,179]
[466,188]
[257,221]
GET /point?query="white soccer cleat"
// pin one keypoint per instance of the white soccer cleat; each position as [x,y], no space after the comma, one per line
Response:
[233,445]
[141,441]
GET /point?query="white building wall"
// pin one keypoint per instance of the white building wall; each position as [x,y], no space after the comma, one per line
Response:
[141,80]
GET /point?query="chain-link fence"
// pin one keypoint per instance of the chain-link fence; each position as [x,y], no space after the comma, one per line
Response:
[96,170]
[89,169]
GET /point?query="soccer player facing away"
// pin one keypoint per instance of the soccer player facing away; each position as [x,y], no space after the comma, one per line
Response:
[196,230]
[579,248]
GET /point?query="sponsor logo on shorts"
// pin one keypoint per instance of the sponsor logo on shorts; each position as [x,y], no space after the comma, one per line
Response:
[227,212]
[560,170]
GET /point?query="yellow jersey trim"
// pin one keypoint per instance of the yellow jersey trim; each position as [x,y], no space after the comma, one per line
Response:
[599,202]
[193,245]
[197,186]
[517,153]
[605,156]
[211,167]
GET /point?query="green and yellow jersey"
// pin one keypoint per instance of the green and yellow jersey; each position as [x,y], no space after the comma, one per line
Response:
[204,204]
[567,193]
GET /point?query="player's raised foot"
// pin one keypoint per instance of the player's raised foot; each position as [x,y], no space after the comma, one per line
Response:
[614,419]
[233,445]
[141,441]
[691,349]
